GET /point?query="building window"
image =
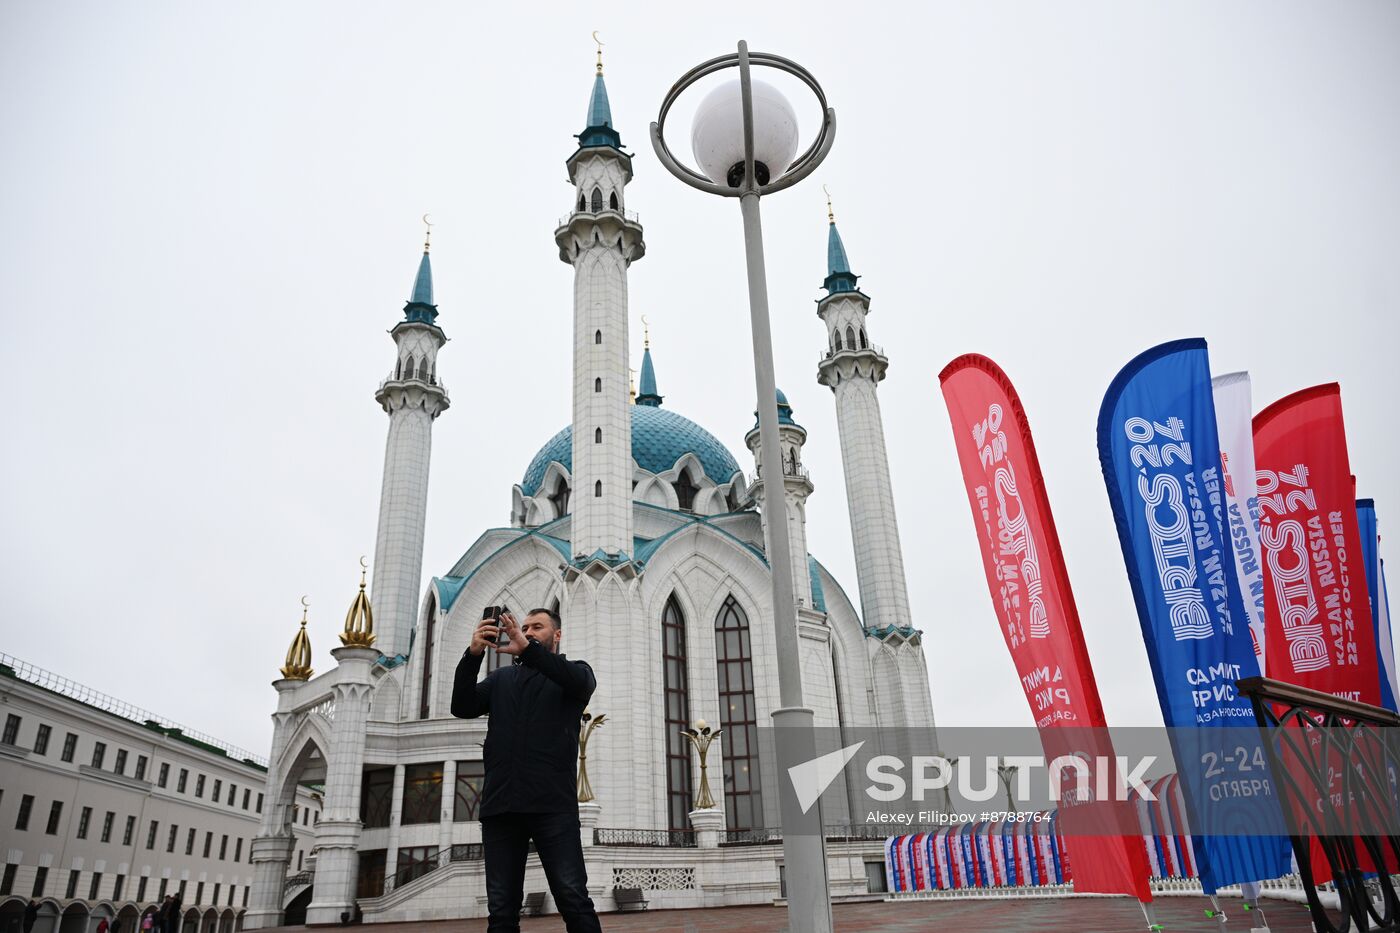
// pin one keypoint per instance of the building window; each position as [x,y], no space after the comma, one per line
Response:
[305,815]
[164,886]
[466,807]
[370,882]
[107,822]
[238,849]
[422,793]
[415,863]
[215,898]
[208,843]
[597,336]
[678,777]
[84,819]
[246,794]
[72,890]
[199,892]
[223,849]
[597,383]
[189,841]
[597,202]
[376,796]
[170,839]
[117,886]
[259,807]
[199,785]
[245,895]
[232,794]
[164,777]
[560,499]
[11,729]
[26,806]
[836,337]
[151,836]
[55,816]
[850,337]
[120,766]
[129,832]
[218,789]
[743,802]
[612,201]
[597,435]
[300,856]
[99,754]
[863,344]
[184,779]
[425,692]
[41,881]
[685,491]
[96,884]
[41,740]
[141,763]
[70,746]
[7,883]
[141,888]
[598,489]
[582,206]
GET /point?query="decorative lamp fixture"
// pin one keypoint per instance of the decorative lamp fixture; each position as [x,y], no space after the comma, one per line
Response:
[587,723]
[701,736]
[359,621]
[298,663]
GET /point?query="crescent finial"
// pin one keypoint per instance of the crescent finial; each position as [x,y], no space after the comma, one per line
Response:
[600,51]
[829,215]
[428,233]
[304,603]
[364,564]
[646,333]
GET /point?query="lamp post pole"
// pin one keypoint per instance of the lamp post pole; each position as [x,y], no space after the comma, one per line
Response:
[804,843]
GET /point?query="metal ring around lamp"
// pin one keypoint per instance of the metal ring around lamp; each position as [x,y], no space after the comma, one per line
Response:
[801,167]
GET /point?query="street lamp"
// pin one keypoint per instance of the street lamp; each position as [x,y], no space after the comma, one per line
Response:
[745,136]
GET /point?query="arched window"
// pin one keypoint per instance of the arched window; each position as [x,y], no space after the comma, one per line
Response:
[685,491]
[597,336]
[743,798]
[863,344]
[560,499]
[678,773]
[429,636]
[597,435]
[850,337]
[597,200]
[837,337]
[612,201]
[582,204]
[398,369]
[433,377]
[597,489]
[598,384]
[408,370]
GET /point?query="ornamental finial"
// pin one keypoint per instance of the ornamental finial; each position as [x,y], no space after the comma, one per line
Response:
[427,233]
[600,51]
[646,333]
[298,663]
[830,217]
[359,621]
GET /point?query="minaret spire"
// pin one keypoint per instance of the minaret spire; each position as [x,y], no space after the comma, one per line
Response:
[413,397]
[648,394]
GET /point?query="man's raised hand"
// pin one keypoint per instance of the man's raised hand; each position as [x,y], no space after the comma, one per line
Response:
[484,637]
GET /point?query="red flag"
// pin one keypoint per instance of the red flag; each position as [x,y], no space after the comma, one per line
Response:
[1034,605]
[1317,615]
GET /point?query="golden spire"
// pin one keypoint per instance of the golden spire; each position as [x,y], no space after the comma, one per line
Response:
[646,333]
[359,621]
[600,51]
[830,217]
[632,384]
[427,233]
[298,663]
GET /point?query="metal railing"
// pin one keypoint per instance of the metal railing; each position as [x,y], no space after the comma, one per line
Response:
[430,379]
[437,858]
[874,348]
[1333,762]
[789,469]
[644,837]
[301,877]
[842,832]
[47,680]
[629,216]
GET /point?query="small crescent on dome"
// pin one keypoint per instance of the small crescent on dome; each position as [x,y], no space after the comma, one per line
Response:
[364,564]
[304,603]
[596,39]
[427,221]
[645,322]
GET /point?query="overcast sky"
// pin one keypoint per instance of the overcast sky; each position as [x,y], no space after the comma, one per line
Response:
[209,218]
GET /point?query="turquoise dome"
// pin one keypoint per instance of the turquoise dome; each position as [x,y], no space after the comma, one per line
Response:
[660,437]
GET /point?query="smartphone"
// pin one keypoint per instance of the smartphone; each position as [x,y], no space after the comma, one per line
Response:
[494,613]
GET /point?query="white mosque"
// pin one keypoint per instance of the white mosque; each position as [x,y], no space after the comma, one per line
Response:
[648,536]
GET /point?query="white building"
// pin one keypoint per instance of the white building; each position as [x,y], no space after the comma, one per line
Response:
[105,808]
[632,519]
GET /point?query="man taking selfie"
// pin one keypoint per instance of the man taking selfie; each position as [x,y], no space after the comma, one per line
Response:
[530,752]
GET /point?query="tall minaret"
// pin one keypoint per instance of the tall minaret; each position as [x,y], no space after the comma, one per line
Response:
[796,487]
[413,397]
[600,240]
[853,368]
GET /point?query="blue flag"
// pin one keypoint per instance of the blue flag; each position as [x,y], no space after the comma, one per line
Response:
[1160,453]
[1370,547]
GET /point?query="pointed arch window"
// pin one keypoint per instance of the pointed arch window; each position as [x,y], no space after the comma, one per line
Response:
[598,384]
[398,369]
[837,337]
[598,489]
[560,499]
[850,337]
[597,200]
[597,435]
[679,799]
[863,344]
[612,201]
[582,203]
[743,798]
[685,491]
[598,336]
[408,370]
[429,636]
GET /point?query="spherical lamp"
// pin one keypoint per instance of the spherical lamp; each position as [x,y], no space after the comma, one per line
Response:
[717,134]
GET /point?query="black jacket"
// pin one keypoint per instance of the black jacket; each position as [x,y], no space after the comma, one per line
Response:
[531,748]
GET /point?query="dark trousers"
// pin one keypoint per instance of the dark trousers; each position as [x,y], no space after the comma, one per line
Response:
[506,839]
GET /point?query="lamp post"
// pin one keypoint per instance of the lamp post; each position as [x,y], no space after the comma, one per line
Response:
[745,137]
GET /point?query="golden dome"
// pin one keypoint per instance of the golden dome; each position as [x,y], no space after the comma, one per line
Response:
[359,621]
[298,664]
